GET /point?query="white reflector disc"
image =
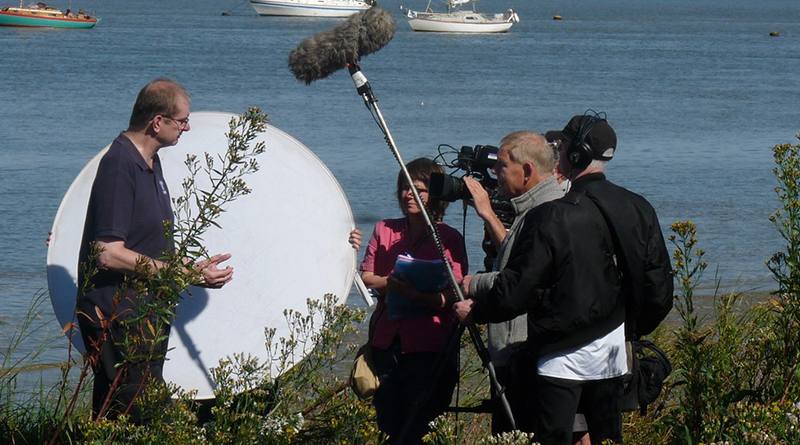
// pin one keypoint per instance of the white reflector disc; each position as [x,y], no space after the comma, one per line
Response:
[288,239]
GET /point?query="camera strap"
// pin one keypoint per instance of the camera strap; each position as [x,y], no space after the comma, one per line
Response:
[415,247]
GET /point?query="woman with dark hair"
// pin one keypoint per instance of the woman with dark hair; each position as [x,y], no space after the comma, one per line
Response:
[405,350]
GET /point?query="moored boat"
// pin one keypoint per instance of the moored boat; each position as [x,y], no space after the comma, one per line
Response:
[457,20]
[42,15]
[310,8]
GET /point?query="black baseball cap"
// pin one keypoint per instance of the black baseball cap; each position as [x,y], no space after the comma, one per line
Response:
[601,138]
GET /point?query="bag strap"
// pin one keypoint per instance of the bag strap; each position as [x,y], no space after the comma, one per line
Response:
[586,203]
[657,352]
[580,198]
[373,320]
[660,355]
[415,247]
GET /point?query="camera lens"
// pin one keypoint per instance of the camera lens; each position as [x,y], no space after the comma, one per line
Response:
[446,187]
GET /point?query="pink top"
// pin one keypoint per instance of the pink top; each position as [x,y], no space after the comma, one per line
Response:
[390,239]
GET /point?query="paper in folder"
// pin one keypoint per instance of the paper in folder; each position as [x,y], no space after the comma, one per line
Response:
[426,276]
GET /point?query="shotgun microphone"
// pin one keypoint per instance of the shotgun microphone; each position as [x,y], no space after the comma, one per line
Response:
[329,51]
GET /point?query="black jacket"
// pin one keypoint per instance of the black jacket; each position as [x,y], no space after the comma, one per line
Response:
[642,256]
[562,273]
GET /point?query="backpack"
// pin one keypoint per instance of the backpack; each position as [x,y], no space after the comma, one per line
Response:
[648,367]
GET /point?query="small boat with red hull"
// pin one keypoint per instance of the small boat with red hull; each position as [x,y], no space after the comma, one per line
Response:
[42,15]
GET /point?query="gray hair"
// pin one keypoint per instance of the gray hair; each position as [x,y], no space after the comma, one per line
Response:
[598,164]
[530,146]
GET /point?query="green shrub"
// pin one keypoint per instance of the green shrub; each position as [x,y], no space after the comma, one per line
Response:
[735,368]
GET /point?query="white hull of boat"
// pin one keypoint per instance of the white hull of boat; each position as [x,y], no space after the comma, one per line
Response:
[309,8]
[460,21]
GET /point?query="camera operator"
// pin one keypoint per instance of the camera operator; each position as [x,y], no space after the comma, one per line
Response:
[524,171]
[563,272]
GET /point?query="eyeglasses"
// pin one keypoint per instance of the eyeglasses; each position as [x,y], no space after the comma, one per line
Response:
[182,123]
[406,188]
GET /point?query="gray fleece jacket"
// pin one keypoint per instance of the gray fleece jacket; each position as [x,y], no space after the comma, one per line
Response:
[504,337]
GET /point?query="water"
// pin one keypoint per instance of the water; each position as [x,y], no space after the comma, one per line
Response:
[697,91]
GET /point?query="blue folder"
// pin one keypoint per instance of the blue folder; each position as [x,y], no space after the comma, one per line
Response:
[426,276]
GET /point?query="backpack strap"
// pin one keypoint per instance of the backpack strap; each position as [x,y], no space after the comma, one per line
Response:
[580,198]
[631,302]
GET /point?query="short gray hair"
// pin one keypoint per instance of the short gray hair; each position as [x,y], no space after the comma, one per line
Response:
[530,146]
[598,164]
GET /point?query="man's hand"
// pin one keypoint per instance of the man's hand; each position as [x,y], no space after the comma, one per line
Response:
[483,206]
[213,276]
[465,285]
[480,198]
[463,310]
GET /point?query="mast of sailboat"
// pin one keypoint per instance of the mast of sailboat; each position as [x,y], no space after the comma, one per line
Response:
[428,8]
[454,4]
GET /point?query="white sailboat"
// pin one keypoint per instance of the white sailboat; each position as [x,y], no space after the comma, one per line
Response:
[459,20]
[310,8]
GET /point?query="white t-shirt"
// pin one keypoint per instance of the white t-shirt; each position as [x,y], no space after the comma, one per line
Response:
[603,358]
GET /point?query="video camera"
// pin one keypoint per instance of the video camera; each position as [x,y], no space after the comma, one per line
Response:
[477,163]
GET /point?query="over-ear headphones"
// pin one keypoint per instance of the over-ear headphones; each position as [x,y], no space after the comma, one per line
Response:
[579,152]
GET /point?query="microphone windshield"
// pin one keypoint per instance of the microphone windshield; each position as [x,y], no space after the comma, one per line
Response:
[328,51]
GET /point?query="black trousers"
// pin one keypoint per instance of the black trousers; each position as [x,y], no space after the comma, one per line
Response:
[557,401]
[516,388]
[405,378]
[105,350]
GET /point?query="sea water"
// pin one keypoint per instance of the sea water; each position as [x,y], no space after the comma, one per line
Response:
[697,91]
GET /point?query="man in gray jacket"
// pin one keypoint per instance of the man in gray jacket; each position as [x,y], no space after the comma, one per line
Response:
[524,170]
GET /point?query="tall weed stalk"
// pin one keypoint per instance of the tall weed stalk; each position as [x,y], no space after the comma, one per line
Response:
[713,367]
[28,410]
[785,268]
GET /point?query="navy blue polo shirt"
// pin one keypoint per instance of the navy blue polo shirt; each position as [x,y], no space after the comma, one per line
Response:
[130,201]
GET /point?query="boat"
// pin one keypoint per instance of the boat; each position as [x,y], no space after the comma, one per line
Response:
[459,20]
[42,15]
[310,8]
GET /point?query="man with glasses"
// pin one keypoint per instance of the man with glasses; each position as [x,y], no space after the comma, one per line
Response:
[128,229]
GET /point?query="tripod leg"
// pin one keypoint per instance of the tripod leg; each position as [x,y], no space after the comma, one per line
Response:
[483,353]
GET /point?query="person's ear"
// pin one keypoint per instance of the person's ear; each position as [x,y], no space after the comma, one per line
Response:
[157,122]
[528,171]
